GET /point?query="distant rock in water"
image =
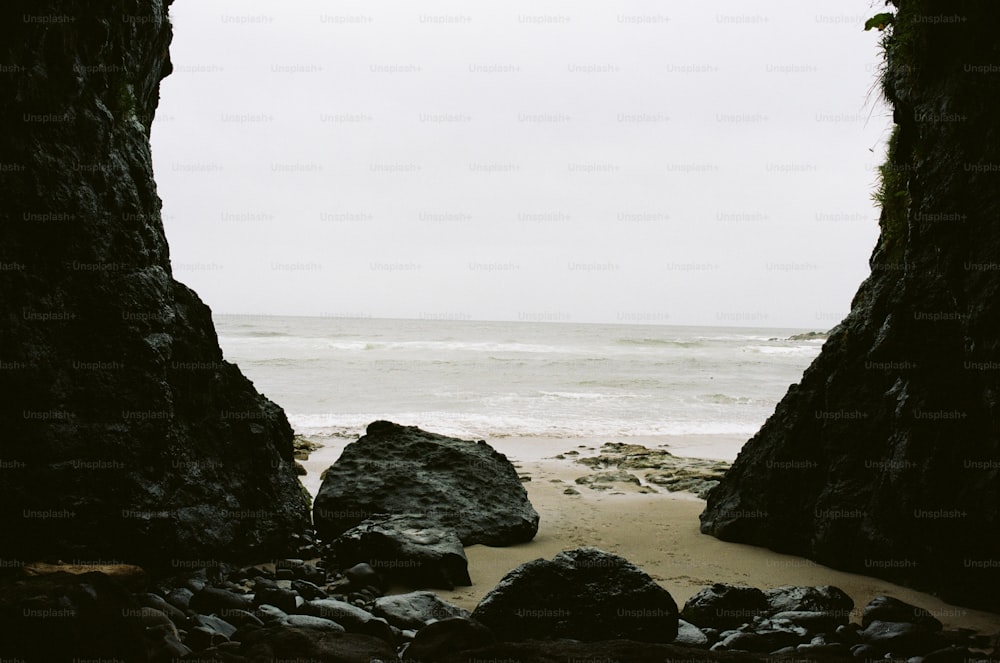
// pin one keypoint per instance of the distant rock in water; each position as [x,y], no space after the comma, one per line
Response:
[453,484]
[884,459]
[125,435]
[809,336]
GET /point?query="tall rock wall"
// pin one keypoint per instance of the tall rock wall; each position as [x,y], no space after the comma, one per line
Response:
[885,458]
[124,435]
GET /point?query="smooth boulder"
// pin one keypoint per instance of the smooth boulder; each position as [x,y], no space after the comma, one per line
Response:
[465,486]
[583,594]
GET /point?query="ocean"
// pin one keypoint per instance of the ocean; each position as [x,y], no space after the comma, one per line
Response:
[702,390]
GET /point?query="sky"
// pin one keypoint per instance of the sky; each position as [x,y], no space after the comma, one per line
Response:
[573,161]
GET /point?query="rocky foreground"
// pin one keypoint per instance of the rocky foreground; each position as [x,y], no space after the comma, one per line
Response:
[334,604]
[581,604]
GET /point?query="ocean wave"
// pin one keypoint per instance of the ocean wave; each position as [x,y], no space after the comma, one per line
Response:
[797,350]
[723,399]
[479,426]
[654,342]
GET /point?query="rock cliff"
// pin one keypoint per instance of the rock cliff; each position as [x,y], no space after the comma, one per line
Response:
[885,458]
[124,435]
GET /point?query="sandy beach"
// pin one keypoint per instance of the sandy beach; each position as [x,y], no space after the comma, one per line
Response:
[656,531]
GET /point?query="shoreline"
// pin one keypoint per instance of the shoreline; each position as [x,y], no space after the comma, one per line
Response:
[656,531]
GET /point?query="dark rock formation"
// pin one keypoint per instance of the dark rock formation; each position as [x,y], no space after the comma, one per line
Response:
[809,599]
[125,434]
[64,617]
[351,617]
[582,594]
[888,609]
[898,638]
[448,636]
[457,484]
[623,651]
[724,606]
[883,459]
[286,643]
[407,550]
[73,618]
[415,610]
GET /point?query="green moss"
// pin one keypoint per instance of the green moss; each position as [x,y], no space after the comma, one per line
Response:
[893,197]
[124,104]
[900,46]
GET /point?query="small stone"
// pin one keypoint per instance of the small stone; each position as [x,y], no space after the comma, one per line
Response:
[271,615]
[866,652]
[689,635]
[176,615]
[363,574]
[307,590]
[215,623]
[201,637]
[180,598]
[816,622]
[241,618]
[415,610]
[212,600]
[311,623]
[283,599]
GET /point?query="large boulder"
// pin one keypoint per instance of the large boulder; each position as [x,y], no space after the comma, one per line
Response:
[583,594]
[405,549]
[465,486]
[882,460]
[126,435]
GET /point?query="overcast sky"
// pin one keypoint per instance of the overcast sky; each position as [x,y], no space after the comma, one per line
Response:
[669,162]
